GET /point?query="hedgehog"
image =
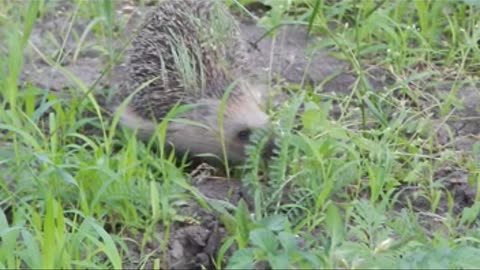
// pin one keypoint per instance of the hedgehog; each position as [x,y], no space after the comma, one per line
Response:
[192,52]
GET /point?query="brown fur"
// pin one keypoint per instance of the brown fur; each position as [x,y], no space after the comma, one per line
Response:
[193,52]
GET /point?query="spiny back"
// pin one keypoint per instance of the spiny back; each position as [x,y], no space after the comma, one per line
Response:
[194,50]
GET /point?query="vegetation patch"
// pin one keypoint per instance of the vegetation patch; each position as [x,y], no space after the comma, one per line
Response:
[376,109]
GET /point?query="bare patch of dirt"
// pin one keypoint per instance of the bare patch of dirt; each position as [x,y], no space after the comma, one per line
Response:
[86,70]
[465,121]
[194,244]
[285,57]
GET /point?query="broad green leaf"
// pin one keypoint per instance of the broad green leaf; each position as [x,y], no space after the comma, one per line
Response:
[275,223]
[242,259]
[264,239]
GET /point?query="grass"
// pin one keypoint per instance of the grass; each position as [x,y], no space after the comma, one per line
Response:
[74,200]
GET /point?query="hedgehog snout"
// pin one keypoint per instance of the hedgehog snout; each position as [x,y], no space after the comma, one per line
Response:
[268,150]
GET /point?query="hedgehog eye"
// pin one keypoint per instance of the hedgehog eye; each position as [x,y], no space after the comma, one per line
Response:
[244,135]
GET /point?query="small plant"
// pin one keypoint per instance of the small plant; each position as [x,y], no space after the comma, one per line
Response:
[268,240]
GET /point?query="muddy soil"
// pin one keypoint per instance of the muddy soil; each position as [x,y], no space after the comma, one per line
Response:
[285,59]
[195,243]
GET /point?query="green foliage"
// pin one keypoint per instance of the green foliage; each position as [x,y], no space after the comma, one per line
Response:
[357,180]
[273,243]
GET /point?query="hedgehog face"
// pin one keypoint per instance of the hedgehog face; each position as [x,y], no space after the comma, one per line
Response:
[242,118]
[242,115]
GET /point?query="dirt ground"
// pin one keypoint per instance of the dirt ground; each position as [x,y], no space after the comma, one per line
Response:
[192,245]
